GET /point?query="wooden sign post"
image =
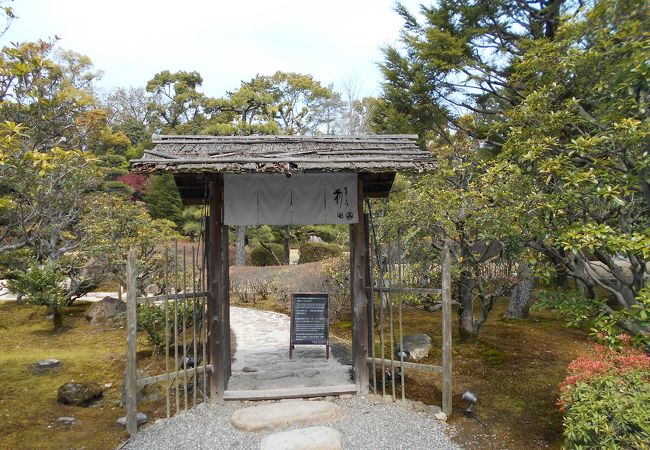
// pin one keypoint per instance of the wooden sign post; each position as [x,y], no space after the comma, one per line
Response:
[309,321]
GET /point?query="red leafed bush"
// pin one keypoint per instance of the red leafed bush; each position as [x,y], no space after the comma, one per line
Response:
[135,181]
[605,399]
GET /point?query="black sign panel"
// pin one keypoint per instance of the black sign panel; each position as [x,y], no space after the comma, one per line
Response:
[309,319]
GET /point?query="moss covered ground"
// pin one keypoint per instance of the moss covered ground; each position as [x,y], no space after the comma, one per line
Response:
[28,406]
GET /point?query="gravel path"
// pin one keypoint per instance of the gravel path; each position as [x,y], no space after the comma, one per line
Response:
[368,423]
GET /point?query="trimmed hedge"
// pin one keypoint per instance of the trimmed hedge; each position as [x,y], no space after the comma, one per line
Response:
[260,256]
[317,251]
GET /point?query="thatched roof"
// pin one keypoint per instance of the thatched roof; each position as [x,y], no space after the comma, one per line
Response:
[282,154]
[376,158]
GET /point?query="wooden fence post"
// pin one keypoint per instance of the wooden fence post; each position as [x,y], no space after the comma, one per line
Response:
[216,307]
[358,283]
[131,374]
[446,330]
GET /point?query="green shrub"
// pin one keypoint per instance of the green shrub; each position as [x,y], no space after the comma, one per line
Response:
[317,251]
[41,285]
[150,318]
[261,256]
[605,400]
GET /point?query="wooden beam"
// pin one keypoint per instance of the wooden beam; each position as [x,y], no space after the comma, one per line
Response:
[216,342]
[142,382]
[358,277]
[446,330]
[405,290]
[180,296]
[131,336]
[303,392]
[407,365]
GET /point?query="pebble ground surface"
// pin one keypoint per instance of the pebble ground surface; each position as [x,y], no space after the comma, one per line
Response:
[367,423]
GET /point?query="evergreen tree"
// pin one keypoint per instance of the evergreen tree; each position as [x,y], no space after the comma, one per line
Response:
[163,199]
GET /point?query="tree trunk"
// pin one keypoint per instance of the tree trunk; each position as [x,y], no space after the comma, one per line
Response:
[561,275]
[287,248]
[240,245]
[467,329]
[522,294]
[57,317]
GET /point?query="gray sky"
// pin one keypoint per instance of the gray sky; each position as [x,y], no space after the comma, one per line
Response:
[227,42]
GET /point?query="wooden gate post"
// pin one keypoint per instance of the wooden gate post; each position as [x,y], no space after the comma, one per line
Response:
[131,382]
[216,310]
[446,330]
[358,279]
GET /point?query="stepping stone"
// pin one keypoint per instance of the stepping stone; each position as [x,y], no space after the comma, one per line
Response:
[312,438]
[275,415]
[310,372]
[141,419]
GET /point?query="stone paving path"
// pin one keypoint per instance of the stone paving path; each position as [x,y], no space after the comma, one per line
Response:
[263,346]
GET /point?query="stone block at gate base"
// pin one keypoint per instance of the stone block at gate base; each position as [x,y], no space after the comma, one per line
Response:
[312,438]
[276,415]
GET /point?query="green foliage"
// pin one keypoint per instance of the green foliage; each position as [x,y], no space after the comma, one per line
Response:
[261,256]
[40,285]
[111,226]
[176,103]
[604,324]
[151,319]
[605,401]
[43,194]
[318,251]
[163,200]
[50,94]
[261,233]
[192,221]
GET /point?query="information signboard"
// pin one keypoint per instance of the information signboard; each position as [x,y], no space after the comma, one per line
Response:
[309,320]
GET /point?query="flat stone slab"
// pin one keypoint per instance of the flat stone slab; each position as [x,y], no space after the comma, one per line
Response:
[275,415]
[312,438]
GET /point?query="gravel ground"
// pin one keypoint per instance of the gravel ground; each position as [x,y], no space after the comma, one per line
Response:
[368,423]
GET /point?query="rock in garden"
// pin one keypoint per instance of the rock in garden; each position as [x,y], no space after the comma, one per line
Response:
[312,438]
[433,409]
[249,369]
[276,415]
[47,364]
[68,421]
[105,309]
[440,416]
[418,345]
[79,394]
[141,419]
